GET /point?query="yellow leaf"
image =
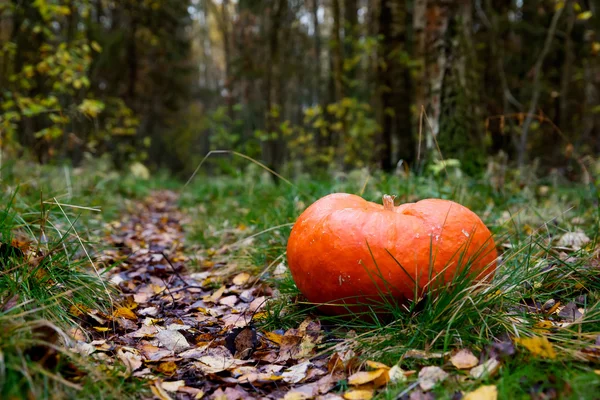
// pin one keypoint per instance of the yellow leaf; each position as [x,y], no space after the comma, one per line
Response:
[97,48]
[538,345]
[376,365]
[584,16]
[543,326]
[125,313]
[486,392]
[359,394]
[274,337]
[362,377]
[100,328]
[168,368]
[213,298]
[241,278]
[296,396]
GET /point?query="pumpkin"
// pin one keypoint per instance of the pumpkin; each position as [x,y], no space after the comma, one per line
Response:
[344,251]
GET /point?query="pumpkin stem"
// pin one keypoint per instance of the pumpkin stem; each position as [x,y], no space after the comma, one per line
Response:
[388,202]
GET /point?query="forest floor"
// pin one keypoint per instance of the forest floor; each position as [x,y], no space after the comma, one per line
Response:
[195,299]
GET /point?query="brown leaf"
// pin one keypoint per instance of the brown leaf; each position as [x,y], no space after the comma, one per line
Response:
[464,359]
[130,357]
[431,376]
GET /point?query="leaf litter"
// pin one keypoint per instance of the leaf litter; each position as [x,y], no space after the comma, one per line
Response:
[190,334]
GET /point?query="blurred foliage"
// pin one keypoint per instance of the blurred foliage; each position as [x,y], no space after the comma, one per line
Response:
[301,86]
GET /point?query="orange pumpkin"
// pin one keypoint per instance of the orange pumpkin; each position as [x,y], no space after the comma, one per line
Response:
[344,250]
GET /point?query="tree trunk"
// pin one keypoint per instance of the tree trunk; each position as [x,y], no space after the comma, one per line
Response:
[227,53]
[317,76]
[351,36]
[336,48]
[271,146]
[394,86]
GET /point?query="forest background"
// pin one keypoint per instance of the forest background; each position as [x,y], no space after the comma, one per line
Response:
[303,85]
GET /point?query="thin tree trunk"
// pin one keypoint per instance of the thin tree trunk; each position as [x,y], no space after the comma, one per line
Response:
[567,70]
[270,120]
[227,53]
[317,76]
[338,57]
[350,39]
[537,87]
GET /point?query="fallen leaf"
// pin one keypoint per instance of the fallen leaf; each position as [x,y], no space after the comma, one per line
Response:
[396,374]
[172,386]
[168,368]
[125,313]
[213,364]
[486,392]
[362,377]
[570,312]
[358,394]
[295,395]
[159,392]
[538,345]
[130,357]
[431,376]
[295,373]
[241,278]
[213,298]
[464,359]
[172,340]
[575,240]
[488,368]
[376,364]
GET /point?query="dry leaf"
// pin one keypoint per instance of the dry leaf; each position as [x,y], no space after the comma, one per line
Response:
[159,392]
[362,377]
[172,386]
[167,368]
[538,345]
[213,298]
[431,376]
[241,279]
[464,359]
[125,313]
[130,357]
[376,365]
[488,368]
[396,374]
[358,394]
[296,373]
[172,340]
[575,240]
[486,392]
[212,364]
[295,395]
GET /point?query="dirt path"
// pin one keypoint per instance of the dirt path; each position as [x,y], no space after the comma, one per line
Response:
[189,334]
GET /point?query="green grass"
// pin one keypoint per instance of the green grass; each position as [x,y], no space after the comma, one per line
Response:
[47,270]
[527,222]
[245,221]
